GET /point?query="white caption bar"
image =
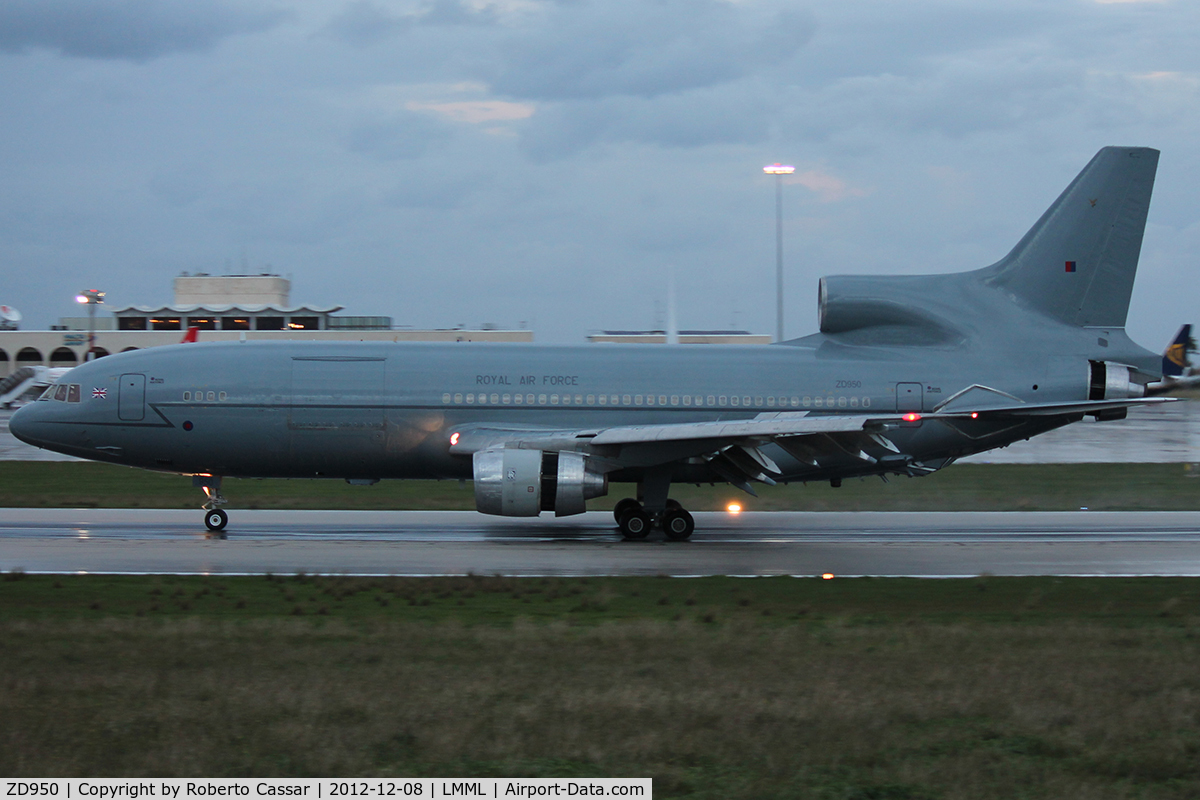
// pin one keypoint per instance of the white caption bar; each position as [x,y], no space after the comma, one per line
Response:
[324,788]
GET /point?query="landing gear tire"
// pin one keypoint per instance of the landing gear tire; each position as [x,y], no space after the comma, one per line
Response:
[678,524]
[635,524]
[216,519]
[623,507]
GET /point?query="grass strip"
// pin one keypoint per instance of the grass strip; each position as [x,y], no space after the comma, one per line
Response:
[964,487]
[715,687]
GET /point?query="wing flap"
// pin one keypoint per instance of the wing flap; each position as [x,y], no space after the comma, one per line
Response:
[766,426]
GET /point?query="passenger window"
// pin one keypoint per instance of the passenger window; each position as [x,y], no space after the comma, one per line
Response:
[73,393]
[187,395]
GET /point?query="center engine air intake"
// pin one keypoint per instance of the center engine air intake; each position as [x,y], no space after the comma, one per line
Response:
[523,483]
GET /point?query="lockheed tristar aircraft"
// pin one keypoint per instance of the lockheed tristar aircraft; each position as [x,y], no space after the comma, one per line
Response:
[907,374]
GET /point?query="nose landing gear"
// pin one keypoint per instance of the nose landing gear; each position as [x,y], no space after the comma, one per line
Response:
[214,518]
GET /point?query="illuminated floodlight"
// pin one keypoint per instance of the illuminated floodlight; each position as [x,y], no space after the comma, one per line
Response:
[779,170]
[90,298]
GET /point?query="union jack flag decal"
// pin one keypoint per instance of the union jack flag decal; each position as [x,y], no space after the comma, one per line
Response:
[99,394]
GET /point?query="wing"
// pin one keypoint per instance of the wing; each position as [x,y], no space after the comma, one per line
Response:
[734,448]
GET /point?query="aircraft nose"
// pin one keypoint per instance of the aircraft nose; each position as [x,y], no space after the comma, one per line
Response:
[22,425]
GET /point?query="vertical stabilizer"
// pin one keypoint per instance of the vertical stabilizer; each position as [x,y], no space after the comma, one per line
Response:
[1078,262]
[1175,359]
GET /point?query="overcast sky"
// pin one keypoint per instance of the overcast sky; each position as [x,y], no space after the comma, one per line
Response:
[550,163]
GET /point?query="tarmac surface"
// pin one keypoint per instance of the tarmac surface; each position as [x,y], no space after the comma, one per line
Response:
[456,542]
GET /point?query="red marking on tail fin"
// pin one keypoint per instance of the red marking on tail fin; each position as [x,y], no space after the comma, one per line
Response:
[190,336]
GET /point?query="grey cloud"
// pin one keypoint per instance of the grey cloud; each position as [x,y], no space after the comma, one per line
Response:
[454,12]
[590,50]
[734,114]
[135,30]
[404,136]
[954,96]
[364,22]
[430,188]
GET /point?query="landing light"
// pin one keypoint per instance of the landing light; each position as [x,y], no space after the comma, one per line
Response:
[911,417]
[828,576]
[734,508]
[453,438]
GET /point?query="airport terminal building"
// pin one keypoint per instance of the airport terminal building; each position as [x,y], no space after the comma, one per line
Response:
[223,308]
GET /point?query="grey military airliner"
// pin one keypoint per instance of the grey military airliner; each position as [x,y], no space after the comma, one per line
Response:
[907,374]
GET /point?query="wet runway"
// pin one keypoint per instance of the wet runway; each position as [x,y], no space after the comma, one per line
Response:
[455,542]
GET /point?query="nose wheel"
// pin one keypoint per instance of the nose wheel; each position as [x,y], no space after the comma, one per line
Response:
[214,518]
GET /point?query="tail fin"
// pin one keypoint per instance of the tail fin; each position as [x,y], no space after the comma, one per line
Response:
[1175,357]
[1077,263]
[192,334]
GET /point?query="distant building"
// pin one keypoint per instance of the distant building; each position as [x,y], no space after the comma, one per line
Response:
[232,303]
[685,337]
[224,308]
[229,290]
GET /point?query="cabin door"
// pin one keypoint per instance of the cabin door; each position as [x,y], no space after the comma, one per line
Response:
[131,397]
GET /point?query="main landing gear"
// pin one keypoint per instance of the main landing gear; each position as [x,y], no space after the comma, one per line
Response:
[635,521]
[214,518]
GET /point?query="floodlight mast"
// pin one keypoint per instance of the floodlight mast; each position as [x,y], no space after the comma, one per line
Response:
[779,170]
[91,298]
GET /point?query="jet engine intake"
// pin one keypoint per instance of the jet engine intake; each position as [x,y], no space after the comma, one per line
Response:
[523,483]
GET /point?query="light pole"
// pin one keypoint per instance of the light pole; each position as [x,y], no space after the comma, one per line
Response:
[91,298]
[779,170]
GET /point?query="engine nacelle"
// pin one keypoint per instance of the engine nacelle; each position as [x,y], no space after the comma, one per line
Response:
[523,483]
[1109,381]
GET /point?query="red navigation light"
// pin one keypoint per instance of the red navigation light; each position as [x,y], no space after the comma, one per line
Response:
[454,438]
[911,417]
[974,415]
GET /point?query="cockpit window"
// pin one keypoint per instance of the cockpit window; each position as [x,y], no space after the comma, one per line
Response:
[62,392]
